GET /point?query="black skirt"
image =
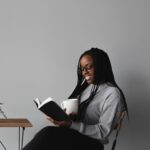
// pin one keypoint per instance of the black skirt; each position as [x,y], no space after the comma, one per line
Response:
[57,138]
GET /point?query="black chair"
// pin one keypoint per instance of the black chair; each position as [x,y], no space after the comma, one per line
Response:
[117,128]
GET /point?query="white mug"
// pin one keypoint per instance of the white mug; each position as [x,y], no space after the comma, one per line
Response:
[70,105]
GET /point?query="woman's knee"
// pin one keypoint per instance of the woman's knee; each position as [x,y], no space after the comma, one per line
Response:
[44,131]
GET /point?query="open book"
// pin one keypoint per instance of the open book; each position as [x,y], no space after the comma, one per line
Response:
[51,109]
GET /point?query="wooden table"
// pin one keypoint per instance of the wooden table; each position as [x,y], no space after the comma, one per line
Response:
[16,122]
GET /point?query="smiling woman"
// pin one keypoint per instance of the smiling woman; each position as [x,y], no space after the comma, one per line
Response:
[101,103]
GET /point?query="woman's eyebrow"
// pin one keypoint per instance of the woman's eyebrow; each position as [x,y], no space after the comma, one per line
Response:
[88,64]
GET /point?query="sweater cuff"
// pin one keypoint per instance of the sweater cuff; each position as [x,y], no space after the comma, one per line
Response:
[77,126]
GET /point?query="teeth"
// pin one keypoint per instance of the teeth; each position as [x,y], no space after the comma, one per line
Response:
[87,78]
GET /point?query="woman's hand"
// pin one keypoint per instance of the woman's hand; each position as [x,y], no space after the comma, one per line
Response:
[60,123]
[73,116]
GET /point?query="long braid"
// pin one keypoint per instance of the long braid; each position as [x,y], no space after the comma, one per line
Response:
[83,106]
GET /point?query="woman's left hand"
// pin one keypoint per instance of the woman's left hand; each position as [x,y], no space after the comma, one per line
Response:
[60,123]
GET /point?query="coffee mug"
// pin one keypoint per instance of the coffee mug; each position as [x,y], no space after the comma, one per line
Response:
[70,106]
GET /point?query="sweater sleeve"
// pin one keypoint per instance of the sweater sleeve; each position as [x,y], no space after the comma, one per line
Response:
[108,117]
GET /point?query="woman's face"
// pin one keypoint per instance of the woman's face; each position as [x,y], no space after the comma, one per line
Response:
[87,68]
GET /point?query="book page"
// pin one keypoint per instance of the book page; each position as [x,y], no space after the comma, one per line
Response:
[37,101]
[45,101]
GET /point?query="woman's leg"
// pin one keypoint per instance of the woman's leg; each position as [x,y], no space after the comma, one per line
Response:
[62,138]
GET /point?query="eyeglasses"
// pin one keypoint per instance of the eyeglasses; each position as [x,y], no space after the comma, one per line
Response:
[87,68]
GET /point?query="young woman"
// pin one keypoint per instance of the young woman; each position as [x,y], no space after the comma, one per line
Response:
[101,103]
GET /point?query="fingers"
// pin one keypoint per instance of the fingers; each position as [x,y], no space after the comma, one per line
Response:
[72,113]
[50,119]
[57,123]
[64,109]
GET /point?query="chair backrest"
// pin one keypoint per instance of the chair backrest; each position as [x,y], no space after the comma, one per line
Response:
[117,128]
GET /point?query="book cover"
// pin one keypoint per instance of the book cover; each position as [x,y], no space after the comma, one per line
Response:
[51,109]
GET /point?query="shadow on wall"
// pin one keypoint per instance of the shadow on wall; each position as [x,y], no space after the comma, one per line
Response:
[138,99]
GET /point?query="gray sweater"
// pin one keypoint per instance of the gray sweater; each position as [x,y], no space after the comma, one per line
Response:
[102,113]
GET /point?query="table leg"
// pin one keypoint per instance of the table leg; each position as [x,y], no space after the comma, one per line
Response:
[21,138]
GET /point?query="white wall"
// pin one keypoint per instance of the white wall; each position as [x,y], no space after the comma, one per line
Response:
[41,41]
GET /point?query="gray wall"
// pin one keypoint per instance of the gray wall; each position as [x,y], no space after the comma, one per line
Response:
[41,41]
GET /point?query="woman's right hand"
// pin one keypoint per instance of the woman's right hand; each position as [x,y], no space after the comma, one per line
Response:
[60,123]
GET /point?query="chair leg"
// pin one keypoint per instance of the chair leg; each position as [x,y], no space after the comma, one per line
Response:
[2,145]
